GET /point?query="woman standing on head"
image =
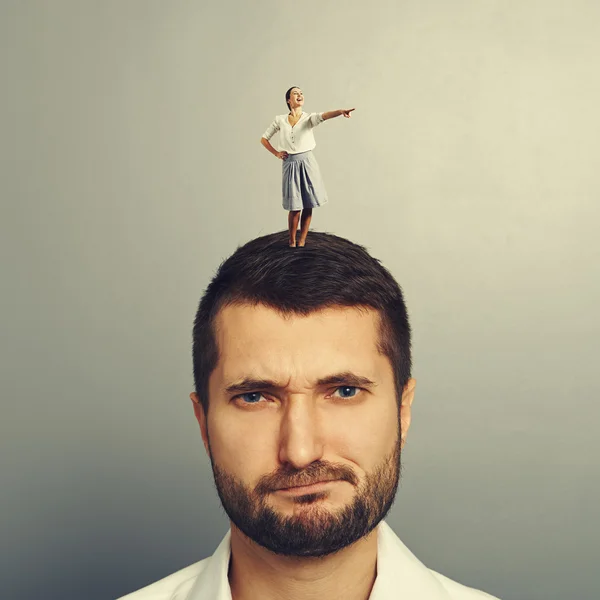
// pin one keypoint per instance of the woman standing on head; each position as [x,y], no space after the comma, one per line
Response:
[303,187]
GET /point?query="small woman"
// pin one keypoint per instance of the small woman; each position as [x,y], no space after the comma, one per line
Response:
[303,187]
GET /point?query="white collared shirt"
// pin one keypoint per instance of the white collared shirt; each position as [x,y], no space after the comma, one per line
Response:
[399,575]
[296,139]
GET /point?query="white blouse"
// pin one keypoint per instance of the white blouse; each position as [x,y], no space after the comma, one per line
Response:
[296,139]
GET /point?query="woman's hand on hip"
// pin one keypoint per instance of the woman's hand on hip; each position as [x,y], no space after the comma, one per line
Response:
[282,155]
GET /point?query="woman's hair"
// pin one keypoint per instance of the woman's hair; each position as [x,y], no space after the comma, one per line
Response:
[287,96]
[331,271]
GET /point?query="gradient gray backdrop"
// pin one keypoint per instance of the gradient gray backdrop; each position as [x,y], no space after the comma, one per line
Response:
[131,166]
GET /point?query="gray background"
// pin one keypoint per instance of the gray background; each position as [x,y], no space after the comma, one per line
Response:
[131,166]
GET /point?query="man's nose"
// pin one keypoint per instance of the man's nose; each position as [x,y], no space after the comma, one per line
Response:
[301,441]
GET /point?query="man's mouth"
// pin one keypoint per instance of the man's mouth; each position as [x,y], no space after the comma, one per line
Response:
[311,488]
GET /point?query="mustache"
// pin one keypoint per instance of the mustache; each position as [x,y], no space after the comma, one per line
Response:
[314,473]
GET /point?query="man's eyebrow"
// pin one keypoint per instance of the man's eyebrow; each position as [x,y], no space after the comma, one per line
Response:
[345,378]
[251,385]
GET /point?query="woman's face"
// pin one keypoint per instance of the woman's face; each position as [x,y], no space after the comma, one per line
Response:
[296,98]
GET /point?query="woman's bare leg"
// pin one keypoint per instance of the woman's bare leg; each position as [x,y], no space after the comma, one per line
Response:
[293,218]
[304,225]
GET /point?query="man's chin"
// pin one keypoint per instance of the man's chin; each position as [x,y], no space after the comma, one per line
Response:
[314,516]
[306,506]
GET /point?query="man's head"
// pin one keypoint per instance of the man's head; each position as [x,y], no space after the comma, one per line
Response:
[302,372]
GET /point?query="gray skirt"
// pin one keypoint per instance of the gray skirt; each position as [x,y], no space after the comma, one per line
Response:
[303,185]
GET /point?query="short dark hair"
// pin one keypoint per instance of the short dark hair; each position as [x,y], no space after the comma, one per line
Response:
[288,94]
[329,271]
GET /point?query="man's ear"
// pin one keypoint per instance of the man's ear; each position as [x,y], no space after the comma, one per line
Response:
[201,418]
[408,395]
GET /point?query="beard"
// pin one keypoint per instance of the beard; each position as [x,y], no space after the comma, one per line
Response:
[315,531]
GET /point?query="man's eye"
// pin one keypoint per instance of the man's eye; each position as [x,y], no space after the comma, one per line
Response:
[347,391]
[250,397]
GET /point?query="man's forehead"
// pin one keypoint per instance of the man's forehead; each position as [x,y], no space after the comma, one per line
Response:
[260,341]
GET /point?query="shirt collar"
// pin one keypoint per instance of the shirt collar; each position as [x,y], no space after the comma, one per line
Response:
[213,580]
[399,572]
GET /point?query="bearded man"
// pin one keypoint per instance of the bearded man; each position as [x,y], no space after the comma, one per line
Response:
[303,394]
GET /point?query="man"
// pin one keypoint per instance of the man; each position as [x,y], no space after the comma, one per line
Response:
[303,395]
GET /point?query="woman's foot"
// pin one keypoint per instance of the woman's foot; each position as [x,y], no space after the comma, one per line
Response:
[292,244]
